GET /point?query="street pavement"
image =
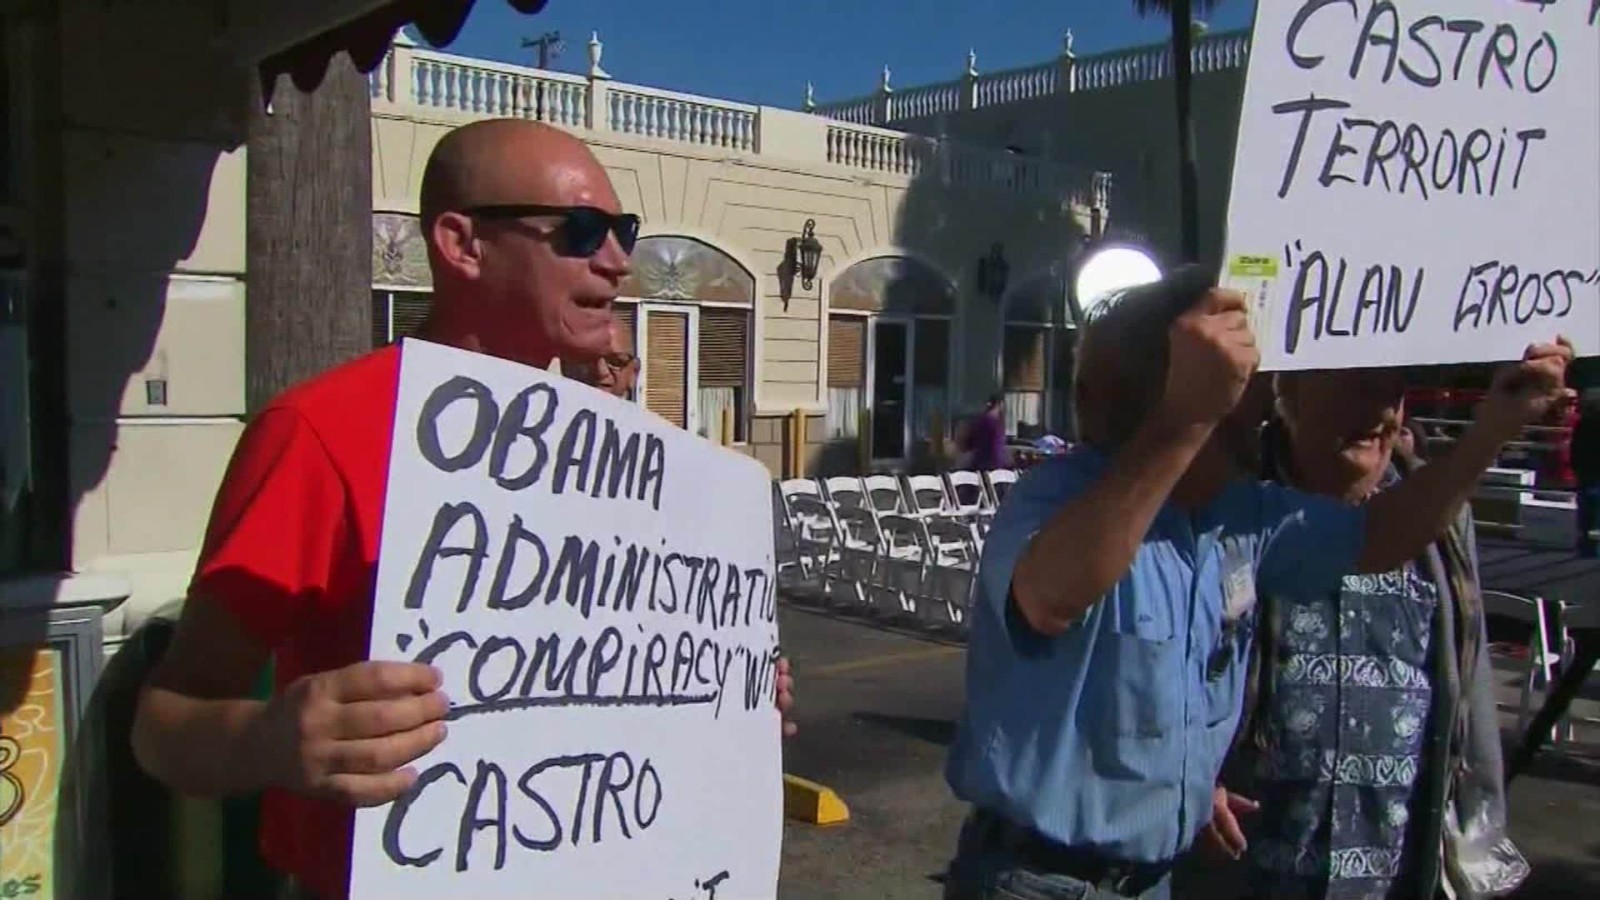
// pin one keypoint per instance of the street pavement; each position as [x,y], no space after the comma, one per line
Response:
[876,710]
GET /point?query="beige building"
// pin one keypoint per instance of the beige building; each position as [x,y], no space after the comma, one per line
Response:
[1110,111]
[138,193]
[733,344]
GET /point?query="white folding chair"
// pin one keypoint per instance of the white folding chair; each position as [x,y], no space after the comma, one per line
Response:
[903,561]
[810,527]
[1542,660]
[967,492]
[999,482]
[882,494]
[954,551]
[925,494]
[844,490]
[859,551]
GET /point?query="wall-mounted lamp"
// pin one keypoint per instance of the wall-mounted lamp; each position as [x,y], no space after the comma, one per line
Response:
[993,273]
[802,255]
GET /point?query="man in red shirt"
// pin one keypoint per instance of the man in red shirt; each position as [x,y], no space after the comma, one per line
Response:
[527,244]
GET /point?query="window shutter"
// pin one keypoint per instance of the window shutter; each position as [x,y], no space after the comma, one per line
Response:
[1024,358]
[626,316]
[933,352]
[410,311]
[666,356]
[724,347]
[847,351]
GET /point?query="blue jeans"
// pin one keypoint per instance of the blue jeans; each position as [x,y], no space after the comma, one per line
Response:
[984,872]
[1588,519]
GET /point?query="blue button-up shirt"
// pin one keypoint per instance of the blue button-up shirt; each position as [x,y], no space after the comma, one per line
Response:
[1111,734]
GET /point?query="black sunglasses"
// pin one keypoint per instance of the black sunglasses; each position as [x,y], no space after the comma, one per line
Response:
[582,231]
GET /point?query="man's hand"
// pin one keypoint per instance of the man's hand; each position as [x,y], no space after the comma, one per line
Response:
[1223,834]
[1525,392]
[345,735]
[1210,358]
[785,695]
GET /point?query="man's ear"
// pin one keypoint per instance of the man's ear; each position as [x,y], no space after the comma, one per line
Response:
[455,240]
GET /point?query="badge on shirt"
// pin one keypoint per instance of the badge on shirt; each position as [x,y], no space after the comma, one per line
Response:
[1240,590]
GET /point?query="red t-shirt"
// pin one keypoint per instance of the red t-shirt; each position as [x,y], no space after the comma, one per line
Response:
[292,551]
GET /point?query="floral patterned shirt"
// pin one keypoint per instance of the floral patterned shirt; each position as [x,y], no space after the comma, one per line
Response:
[1344,738]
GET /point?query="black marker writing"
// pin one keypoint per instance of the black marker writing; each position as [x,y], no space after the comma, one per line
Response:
[1382,298]
[571,796]
[1497,292]
[1381,40]
[626,666]
[585,574]
[1403,157]
[591,454]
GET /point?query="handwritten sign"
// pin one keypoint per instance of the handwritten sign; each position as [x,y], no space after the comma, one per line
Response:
[1417,182]
[32,748]
[597,587]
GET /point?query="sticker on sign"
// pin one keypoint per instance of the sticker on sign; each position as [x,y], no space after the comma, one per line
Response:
[596,587]
[1418,183]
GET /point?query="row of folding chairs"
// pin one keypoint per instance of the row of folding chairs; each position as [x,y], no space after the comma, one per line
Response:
[902,544]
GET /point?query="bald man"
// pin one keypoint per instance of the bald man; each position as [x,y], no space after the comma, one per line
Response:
[527,244]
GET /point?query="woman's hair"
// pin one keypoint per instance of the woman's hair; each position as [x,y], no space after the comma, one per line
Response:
[1419,439]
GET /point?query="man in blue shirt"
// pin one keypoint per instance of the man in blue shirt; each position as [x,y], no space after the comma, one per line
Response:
[1106,662]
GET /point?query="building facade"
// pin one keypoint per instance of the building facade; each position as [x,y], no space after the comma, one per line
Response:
[1111,111]
[894,336]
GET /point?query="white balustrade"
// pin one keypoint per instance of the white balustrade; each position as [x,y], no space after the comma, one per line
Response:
[1213,53]
[930,100]
[668,116]
[1017,84]
[429,80]
[460,84]
[878,149]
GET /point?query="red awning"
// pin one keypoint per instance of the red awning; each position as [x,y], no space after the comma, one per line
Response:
[367,39]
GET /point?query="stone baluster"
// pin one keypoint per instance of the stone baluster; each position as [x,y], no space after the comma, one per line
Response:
[399,77]
[1067,66]
[969,83]
[597,114]
[884,110]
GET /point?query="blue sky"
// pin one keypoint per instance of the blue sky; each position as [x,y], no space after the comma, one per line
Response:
[764,51]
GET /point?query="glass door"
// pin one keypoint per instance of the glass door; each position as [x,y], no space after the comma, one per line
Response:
[891,386]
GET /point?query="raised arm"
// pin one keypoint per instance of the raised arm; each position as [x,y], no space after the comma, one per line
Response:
[1088,545]
[1403,521]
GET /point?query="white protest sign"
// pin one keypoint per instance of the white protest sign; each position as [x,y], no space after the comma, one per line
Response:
[1418,182]
[597,588]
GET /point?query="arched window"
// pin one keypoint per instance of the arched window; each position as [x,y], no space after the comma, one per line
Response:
[693,304]
[889,349]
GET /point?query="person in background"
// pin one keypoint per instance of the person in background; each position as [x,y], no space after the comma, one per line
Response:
[1373,746]
[1586,469]
[527,244]
[983,441]
[1411,442]
[616,371]
[1123,575]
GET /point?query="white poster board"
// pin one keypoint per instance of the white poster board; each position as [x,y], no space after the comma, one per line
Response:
[1418,182]
[597,587]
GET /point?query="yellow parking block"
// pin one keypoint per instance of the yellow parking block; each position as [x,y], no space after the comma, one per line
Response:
[813,803]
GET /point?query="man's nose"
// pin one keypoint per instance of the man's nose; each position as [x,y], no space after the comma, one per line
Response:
[611,260]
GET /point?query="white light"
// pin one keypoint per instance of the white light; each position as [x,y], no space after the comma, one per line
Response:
[1110,270]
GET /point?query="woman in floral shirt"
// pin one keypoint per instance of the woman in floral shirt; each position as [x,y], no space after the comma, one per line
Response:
[1373,747]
